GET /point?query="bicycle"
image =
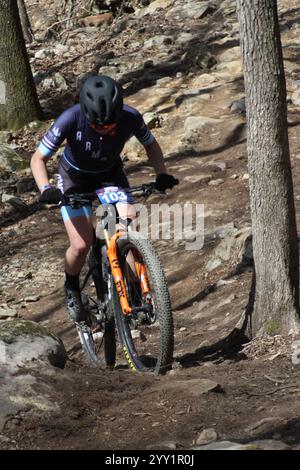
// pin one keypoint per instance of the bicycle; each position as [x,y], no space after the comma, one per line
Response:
[137,303]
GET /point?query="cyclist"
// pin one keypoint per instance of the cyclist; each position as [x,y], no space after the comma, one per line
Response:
[95,131]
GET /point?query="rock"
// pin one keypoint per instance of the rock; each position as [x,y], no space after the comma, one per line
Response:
[22,393]
[61,49]
[38,77]
[158,41]
[155,5]
[195,123]
[191,9]
[152,120]
[25,185]
[221,445]
[5,137]
[57,81]
[226,301]
[295,97]
[239,106]
[265,425]
[230,55]
[228,7]
[10,160]
[195,387]
[164,445]
[236,247]
[183,38]
[266,444]
[7,312]
[133,149]
[213,264]
[207,436]
[136,334]
[41,54]
[48,83]
[32,298]
[224,230]
[224,282]
[164,80]
[201,179]
[216,182]
[60,82]
[17,203]
[215,166]
[24,341]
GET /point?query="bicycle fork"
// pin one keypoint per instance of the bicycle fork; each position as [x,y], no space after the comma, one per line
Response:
[117,274]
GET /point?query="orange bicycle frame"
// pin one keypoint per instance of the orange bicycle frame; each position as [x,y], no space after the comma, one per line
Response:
[116,270]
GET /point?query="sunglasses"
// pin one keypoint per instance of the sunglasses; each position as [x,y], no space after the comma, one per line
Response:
[101,127]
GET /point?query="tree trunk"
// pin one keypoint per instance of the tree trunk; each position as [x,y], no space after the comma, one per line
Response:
[21,103]
[26,27]
[275,243]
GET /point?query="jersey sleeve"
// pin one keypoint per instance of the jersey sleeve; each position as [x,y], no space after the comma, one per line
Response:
[57,133]
[142,131]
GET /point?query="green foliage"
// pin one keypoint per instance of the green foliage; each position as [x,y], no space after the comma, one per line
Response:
[272,327]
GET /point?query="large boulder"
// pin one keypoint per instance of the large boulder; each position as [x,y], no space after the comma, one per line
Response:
[27,353]
[235,248]
[24,341]
[10,161]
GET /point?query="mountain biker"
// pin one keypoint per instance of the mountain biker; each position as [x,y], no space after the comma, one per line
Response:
[95,131]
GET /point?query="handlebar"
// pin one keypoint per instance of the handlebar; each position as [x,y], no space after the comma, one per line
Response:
[80,199]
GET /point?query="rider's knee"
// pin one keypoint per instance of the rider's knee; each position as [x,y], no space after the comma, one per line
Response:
[80,249]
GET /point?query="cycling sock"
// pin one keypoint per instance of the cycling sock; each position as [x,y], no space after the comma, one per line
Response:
[72,282]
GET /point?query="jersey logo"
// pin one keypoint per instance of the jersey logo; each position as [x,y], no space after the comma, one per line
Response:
[56,132]
[79,135]
[96,154]
[88,146]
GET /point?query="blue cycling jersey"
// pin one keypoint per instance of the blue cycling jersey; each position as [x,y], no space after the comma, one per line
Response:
[86,150]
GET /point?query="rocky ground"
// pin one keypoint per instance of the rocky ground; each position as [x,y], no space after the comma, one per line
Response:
[180,65]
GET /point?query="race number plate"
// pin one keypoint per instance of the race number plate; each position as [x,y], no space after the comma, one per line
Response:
[113,195]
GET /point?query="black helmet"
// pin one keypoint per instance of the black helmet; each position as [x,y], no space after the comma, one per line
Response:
[101,100]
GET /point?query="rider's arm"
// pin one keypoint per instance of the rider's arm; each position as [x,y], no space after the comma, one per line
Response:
[155,156]
[50,143]
[39,170]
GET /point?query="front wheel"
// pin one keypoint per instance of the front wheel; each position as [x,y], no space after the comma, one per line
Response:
[146,336]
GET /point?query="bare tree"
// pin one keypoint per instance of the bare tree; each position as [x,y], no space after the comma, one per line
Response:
[275,244]
[21,103]
[25,21]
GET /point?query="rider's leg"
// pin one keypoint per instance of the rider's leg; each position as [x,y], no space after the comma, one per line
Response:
[127,211]
[79,227]
[80,233]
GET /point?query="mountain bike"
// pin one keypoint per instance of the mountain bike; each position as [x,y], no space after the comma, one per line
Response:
[128,291]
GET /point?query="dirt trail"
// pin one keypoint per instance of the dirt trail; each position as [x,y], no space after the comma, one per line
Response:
[257,397]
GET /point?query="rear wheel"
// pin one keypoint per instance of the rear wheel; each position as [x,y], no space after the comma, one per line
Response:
[97,336]
[146,336]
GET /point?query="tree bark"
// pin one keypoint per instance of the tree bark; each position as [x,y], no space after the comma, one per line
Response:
[21,103]
[26,27]
[275,243]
